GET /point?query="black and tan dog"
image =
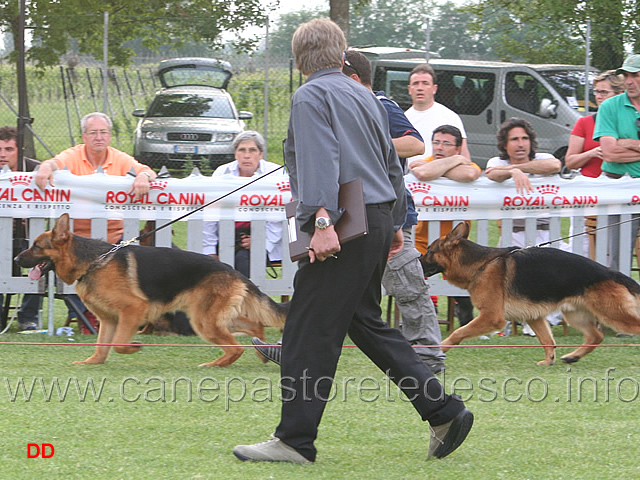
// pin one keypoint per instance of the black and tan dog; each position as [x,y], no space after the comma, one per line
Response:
[135,285]
[527,284]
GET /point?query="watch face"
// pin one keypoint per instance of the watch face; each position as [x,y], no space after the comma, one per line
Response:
[322,222]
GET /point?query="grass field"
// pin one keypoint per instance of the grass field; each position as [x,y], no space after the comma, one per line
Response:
[156,415]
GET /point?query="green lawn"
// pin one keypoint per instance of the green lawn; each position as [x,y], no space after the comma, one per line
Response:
[156,415]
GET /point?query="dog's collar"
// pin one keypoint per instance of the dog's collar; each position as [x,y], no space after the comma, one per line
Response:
[115,248]
[101,260]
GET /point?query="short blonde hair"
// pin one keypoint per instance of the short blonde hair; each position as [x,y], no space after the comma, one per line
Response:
[318,44]
[616,81]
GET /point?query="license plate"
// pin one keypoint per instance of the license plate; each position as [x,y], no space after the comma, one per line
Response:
[185,149]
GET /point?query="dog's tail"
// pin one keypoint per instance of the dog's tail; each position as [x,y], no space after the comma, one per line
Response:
[263,309]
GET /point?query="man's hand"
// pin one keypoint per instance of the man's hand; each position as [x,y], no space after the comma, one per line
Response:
[396,244]
[523,184]
[245,241]
[324,244]
[141,184]
[45,174]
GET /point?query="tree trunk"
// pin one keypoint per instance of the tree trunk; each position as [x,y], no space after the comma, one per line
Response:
[339,13]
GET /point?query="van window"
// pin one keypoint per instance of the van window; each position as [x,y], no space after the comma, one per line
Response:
[396,86]
[524,92]
[466,93]
[570,85]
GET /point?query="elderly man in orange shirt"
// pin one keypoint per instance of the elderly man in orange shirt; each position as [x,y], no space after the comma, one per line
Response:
[85,159]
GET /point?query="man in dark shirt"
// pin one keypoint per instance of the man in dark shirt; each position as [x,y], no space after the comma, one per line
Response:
[338,132]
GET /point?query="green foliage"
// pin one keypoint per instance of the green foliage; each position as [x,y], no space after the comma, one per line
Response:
[460,41]
[54,24]
[280,37]
[554,31]
[390,23]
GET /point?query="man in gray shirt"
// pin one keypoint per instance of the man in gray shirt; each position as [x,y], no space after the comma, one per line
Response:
[338,131]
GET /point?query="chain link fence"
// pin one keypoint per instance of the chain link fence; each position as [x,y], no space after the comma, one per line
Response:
[258,96]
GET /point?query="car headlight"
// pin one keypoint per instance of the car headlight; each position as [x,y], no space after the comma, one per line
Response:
[152,135]
[225,137]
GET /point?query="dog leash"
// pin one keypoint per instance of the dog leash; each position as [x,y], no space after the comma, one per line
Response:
[126,243]
[583,233]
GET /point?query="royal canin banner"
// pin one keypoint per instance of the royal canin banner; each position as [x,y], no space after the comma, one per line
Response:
[105,196]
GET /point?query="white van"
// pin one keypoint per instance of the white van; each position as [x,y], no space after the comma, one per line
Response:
[485,94]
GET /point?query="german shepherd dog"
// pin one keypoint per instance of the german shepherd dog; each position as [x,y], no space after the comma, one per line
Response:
[527,284]
[135,285]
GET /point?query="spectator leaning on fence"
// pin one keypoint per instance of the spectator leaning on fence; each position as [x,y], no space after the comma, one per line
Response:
[618,130]
[585,153]
[86,158]
[28,312]
[248,149]
[518,160]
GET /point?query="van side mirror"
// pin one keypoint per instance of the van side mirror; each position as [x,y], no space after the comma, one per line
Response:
[547,109]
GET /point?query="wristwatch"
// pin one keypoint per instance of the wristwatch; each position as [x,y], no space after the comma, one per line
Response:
[323,222]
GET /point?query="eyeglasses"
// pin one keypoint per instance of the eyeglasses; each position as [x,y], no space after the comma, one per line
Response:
[95,133]
[603,92]
[348,64]
[445,144]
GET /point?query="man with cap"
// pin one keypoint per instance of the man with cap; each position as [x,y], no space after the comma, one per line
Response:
[618,130]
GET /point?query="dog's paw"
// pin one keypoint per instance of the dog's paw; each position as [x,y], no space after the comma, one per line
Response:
[88,361]
[569,359]
[547,363]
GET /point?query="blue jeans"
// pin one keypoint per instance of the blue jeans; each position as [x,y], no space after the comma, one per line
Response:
[28,311]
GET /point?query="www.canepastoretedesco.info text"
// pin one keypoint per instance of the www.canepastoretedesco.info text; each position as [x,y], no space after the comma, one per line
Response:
[607,387]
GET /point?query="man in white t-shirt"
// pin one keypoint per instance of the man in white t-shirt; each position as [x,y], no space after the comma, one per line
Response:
[425,113]
[518,160]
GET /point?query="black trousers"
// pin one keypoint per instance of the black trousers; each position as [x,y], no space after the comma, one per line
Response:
[333,298]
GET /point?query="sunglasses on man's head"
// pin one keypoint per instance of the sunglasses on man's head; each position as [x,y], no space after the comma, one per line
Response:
[348,64]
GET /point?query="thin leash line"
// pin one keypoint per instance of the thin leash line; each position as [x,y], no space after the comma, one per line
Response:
[586,232]
[144,235]
[211,345]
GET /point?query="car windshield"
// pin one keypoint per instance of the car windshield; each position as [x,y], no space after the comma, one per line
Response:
[570,84]
[190,105]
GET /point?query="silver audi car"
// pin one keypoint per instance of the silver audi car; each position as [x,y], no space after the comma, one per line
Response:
[191,117]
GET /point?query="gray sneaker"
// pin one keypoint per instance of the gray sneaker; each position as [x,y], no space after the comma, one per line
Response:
[449,436]
[269,352]
[24,326]
[272,450]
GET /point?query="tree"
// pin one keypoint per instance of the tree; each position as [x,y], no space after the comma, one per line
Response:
[557,28]
[157,22]
[280,38]
[391,23]
[452,35]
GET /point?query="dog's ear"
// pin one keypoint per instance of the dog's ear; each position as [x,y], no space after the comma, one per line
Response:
[61,228]
[461,231]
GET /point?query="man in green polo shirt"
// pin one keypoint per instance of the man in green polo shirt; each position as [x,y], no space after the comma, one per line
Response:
[617,129]
[617,124]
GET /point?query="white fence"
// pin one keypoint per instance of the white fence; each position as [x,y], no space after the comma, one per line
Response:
[103,197]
